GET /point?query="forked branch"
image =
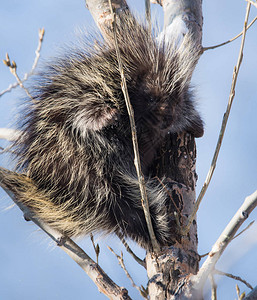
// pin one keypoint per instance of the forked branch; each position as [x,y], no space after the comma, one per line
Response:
[227,235]
[26,76]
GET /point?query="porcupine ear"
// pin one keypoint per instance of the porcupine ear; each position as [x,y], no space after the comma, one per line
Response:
[94,116]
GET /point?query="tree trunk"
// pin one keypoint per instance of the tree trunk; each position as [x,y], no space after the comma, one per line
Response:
[168,271]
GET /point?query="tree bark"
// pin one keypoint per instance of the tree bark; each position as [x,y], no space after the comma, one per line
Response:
[100,11]
[168,273]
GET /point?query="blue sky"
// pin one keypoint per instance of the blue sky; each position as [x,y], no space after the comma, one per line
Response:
[31,266]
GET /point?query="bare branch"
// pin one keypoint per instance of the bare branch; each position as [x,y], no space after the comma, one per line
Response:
[9,134]
[100,11]
[99,277]
[239,295]
[137,162]
[248,226]
[206,254]
[121,263]
[136,258]
[181,17]
[41,34]
[203,255]
[26,76]
[231,40]
[243,230]
[227,235]
[96,248]
[223,126]
[13,69]
[218,272]
[237,291]
[213,288]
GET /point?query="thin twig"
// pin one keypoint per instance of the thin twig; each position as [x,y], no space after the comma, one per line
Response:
[96,248]
[14,72]
[99,277]
[239,297]
[213,288]
[237,291]
[218,272]
[13,69]
[225,238]
[121,263]
[203,255]
[243,230]
[27,75]
[206,254]
[231,40]
[41,34]
[136,258]
[223,126]
[137,163]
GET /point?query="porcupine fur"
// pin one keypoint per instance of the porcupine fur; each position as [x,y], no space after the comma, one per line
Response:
[76,144]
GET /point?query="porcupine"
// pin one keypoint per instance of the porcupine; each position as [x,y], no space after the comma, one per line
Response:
[76,143]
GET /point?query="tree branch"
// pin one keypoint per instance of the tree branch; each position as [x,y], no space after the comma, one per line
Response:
[227,235]
[100,11]
[231,40]
[13,69]
[93,270]
[26,76]
[96,248]
[122,264]
[180,17]
[9,134]
[136,258]
[246,228]
[239,295]
[213,288]
[218,272]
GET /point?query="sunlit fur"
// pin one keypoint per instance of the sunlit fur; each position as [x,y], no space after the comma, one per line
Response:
[76,143]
